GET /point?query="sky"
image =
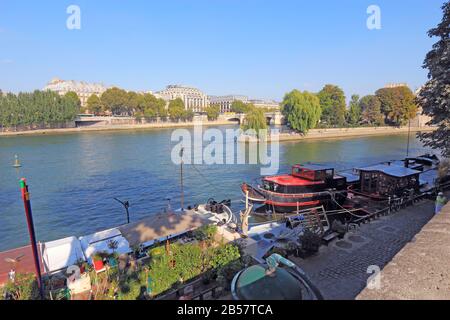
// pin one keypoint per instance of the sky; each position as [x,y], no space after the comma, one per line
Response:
[262,49]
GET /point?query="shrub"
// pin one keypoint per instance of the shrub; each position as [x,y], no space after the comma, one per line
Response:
[205,233]
[25,287]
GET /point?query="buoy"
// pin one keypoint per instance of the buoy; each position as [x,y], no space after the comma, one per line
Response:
[16,162]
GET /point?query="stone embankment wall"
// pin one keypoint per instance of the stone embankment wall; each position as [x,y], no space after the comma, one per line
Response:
[421,269]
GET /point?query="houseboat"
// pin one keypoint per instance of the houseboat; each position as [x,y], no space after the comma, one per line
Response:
[308,185]
[394,178]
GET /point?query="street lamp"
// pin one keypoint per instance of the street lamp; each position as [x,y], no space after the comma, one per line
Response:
[126,205]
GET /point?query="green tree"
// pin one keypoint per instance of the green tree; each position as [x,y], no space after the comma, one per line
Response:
[73,98]
[397,104]
[212,112]
[332,102]
[94,104]
[255,120]
[354,111]
[239,107]
[302,110]
[434,96]
[37,109]
[176,110]
[371,110]
[116,101]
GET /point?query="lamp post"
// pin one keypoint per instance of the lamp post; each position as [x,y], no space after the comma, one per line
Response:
[29,215]
[126,205]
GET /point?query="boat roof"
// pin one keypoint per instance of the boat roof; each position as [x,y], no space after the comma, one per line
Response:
[290,180]
[161,226]
[314,166]
[391,170]
[351,177]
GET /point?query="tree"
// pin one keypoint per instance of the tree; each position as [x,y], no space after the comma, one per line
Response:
[37,109]
[239,107]
[354,111]
[176,109]
[302,110]
[332,102]
[371,110]
[72,98]
[397,104]
[255,120]
[116,101]
[94,104]
[212,112]
[434,96]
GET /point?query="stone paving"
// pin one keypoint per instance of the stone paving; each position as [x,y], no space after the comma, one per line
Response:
[341,269]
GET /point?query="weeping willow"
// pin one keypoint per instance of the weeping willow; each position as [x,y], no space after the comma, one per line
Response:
[302,110]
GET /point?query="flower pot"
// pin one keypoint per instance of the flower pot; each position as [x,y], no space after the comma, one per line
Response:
[98,264]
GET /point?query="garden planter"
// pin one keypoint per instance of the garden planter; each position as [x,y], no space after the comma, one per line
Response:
[98,265]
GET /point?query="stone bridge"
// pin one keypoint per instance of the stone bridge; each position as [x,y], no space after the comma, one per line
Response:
[273,118]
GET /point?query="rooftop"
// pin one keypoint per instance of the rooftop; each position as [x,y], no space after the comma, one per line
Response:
[392,170]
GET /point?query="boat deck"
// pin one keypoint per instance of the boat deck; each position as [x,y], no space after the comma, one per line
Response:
[25,264]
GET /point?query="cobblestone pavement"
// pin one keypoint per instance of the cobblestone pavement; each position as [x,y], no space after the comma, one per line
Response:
[340,270]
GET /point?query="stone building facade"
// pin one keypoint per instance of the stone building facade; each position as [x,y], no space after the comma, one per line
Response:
[83,89]
[193,98]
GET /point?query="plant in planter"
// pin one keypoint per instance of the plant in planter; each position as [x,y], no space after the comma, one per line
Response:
[310,242]
[97,260]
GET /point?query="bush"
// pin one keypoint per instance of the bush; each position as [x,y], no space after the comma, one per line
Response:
[25,287]
[205,233]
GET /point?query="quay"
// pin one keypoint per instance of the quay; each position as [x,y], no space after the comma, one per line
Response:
[420,271]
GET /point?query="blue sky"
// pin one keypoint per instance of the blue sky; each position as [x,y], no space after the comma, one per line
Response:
[257,48]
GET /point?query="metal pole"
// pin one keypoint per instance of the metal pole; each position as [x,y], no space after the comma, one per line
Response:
[29,215]
[181,180]
[409,133]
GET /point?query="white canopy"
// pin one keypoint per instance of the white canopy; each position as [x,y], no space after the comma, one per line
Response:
[62,253]
[98,241]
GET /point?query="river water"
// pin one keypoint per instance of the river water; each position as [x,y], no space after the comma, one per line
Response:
[74,177]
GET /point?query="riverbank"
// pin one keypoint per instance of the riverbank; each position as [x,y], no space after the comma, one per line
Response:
[420,270]
[350,132]
[119,127]
[312,134]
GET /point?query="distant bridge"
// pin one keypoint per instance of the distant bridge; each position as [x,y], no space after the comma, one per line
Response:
[273,118]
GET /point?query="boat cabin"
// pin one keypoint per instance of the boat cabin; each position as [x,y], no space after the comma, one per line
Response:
[304,179]
[387,180]
[313,172]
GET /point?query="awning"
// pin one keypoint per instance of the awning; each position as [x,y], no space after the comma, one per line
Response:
[162,226]
[60,254]
[99,241]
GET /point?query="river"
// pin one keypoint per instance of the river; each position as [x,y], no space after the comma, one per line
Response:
[74,177]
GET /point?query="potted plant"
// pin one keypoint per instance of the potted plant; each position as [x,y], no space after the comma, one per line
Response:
[97,261]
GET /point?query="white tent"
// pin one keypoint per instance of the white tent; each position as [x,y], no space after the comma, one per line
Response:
[60,254]
[98,241]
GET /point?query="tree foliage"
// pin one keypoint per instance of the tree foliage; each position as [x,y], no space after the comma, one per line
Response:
[371,110]
[95,105]
[332,102]
[240,107]
[302,110]
[354,111]
[116,101]
[434,96]
[397,104]
[212,112]
[37,109]
[255,120]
